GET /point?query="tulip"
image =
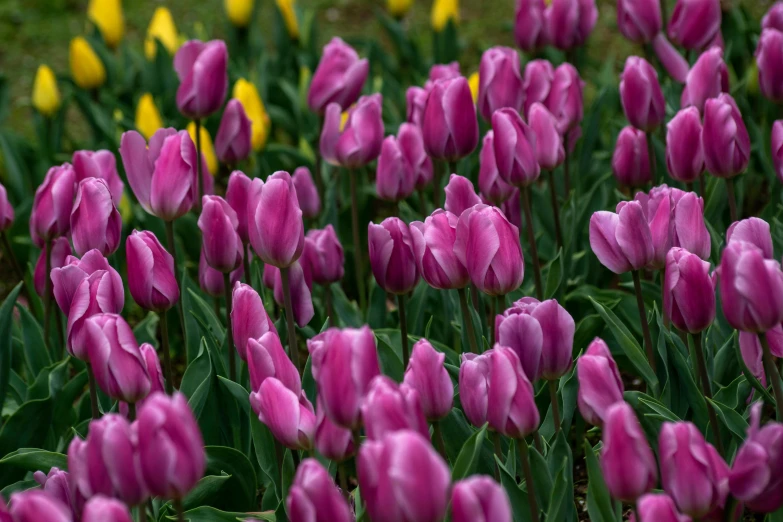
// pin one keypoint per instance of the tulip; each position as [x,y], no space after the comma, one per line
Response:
[641,95]
[301,283]
[690,469]
[108,18]
[684,150]
[570,22]
[288,13]
[72,271]
[549,151]
[221,245]
[247,94]
[411,144]
[770,59]
[433,246]
[148,119]
[773,19]
[35,506]
[266,358]
[324,255]
[565,100]
[209,160]
[530,31]
[95,221]
[202,71]
[391,256]
[152,279]
[689,296]
[777,148]
[658,507]
[500,81]
[415,99]
[99,164]
[289,417]
[479,499]
[161,29]
[211,281]
[332,441]
[171,450]
[51,212]
[491,185]
[627,462]
[512,210]
[754,479]
[62,486]
[600,385]
[516,148]
[339,77]
[755,231]
[695,23]
[398,8]
[639,22]
[443,12]
[87,69]
[249,319]
[403,479]
[275,220]
[233,140]
[358,140]
[450,127]
[442,71]
[537,82]
[313,496]
[102,509]
[239,12]
[59,252]
[460,195]
[388,407]
[488,246]
[152,363]
[622,241]
[752,352]
[46,96]
[630,161]
[427,375]
[306,193]
[670,58]
[707,79]
[395,179]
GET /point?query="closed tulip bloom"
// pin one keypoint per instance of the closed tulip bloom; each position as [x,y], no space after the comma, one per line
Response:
[529,25]
[221,243]
[389,407]
[50,216]
[314,497]
[751,288]
[248,96]
[358,140]
[152,280]
[549,151]
[203,75]
[87,69]
[210,280]
[287,9]
[689,295]
[427,374]
[403,479]
[641,21]
[570,22]
[301,292]
[622,241]
[239,12]
[658,507]
[641,95]
[62,486]
[411,144]
[460,195]
[491,185]
[289,417]
[515,148]
[152,362]
[391,256]
[415,100]
[99,164]
[769,58]
[100,292]
[46,96]
[232,142]
[442,71]
[500,81]
[339,77]
[274,220]
[537,82]
[237,196]
[631,161]
[479,499]
[750,349]
[695,23]
[777,148]
[148,119]
[670,58]
[332,441]
[443,12]
[600,385]
[707,78]
[488,246]
[171,450]
[103,509]
[306,193]
[108,18]
[324,255]
[450,127]
[58,255]
[752,230]
[512,209]
[627,462]
[684,150]
[394,177]
[266,358]
[249,319]
[71,271]
[773,19]
[34,506]
[398,8]
[433,246]
[161,29]
[95,221]
[565,100]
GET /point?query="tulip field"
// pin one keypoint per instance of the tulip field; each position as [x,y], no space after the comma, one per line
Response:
[256,269]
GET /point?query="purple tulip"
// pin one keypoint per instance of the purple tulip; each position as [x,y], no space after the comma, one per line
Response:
[631,161]
[100,292]
[671,59]
[415,100]
[639,21]
[627,462]
[427,374]
[332,441]
[290,417]
[512,209]
[600,384]
[6,210]
[50,216]
[708,77]
[500,81]
[491,185]
[101,164]
[755,231]
[62,486]
[202,69]
[313,496]
[403,479]
[570,22]
[695,23]
[95,221]
[152,278]
[274,221]
[684,150]
[72,271]
[537,82]
[529,25]
[442,71]
[324,255]
[358,141]
[35,506]
[622,241]
[249,319]
[449,124]
[750,348]
[306,193]
[339,77]
[236,196]
[658,507]
[211,281]
[58,256]
[773,19]
[389,407]
[433,246]
[565,100]
[102,509]
[266,358]
[515,145]
[394,178]
[549,151]
[641,95]
[479,499]
[171,450]
[301,283]
[162,176]
[152,363]
[391,256]
[689,295]
[460,195]
[411,143]
[769,57]
[221,243]
[777,148]
[232,142]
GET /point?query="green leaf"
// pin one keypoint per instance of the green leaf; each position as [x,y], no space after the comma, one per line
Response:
[287,474]
[731,419]
[599,503]
[467,459]
[240,490]
[266,454]
[33,459]
[558,502]
[6,316]
[206,491]
[541,477]
[35,352]
[210,514]
[520,507]
[554,275]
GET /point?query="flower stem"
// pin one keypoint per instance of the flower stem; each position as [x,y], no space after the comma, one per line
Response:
[96,414]
[289,317]
[329,306]
[555,405]
[531,493]
[180,511]
[198,164]
[732,199]
[468,320]
[12,256]
[772,375]
[342,475]
[637,284]
[436,176]
[498,453]
[653,160]
[232,370]
[524,195]
[164,347]
[142,510]
[131,411]
[706,389]
[172,247]
[555,209]
[246,265]
[703,187]
[566,165]
[357,245]
[47,291]
[437,435]
[403,330]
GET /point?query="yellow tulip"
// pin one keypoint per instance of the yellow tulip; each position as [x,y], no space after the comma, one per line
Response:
[442,12]
[46,95]
[398,8]
[87,68]
[207,149]
[248,96]
[473,83]
[288,12]
[108,18]
[161,28]
[148,118]
[126,208]
[239,12]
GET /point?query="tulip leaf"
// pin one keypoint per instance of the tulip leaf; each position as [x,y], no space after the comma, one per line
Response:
[240,490]
[520,507]
[561,489]
[345,310]
[29,460]
[22,485]
[658,408]
[210,514]
[541,477]
[266,453]
[731,419]
[35,352]
[599,503]
[690,389]
[205,491]
[468,457]
[752,380]
[28,427]
[6,316]
[554,275]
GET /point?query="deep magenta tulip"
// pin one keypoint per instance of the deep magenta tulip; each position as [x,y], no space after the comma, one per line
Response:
[306,193]
[688,294]
[58,256]
[389,407]
[221,243]
[725,138]
[671,59]
[442,71]
[755,231]
[72,271]
[236,196]
[358,141]
[600,384]
[631,160]
[403,479]
[491,185]
[641,94]
[301,283]
[460,195]
[6,210]
[232,142]
[394,177]
[530,31]
[290,417]
[750,348]
[427,374]
[249,319]
[324,255]
[479,499]
[639,21]
[565,100]
[339,77]
[622,241]
[61,485]
[708,77]
[695,24]
[415,99]
[50,216]
[500,81]
[103,509]
[35,506]
[274,220]
[391,256]
[773,19]
[570,22]
[658,507]
[549,151]
[769,57]
[202,68]
[332,441]
[152,363]
[433,246]
[152,279]
[449,124]
[211,281]
[266,358]
[684,150]
[537,82]
[100,164]
[95,221]
[411,143]
[100,292]
[314,497]
[777,148]
[515,148]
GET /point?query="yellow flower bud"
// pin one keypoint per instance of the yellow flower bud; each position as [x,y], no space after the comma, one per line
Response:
[442,12]
[87,68]
[248,96]
[108,18]
[126,208]
[398,8]
[239,12]
[161,28]
[207,149]
[148,118]
[752,78]
[473,83]
[288,12]
[46,95]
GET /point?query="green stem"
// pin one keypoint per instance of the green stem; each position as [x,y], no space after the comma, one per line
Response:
[437,435]
[566,164]
[289,317]
[142,510]
[165,348]
[531,493]
[706,389]
[468,320]
[180,511]
[524,196]
[732,199]
[555,405]
[357,245]
[498,452]
[198,164]
[342,475]
[172,247]
[555,209]
[637,284]
[131,411]
[12,256]
[773,376]
[232,370]
[403,330]
[452,168]
[96,414]
[329,306]
[703,187]
[47,290]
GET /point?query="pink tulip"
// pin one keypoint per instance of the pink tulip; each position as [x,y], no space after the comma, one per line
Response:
[275,220]
[755,231]
[695,23]
[313,496]
[707,78]
[306,193]
[537,82]
[658,507]
[152,278]
[684,150]
[95,221]
[622,241]
[479,499]
[641,95]
[232,142]
[549,151]
[460,195]
[777,148]
[491,185]
[72,271]
[102,509]
[358,141]
[324,255]
[35,506]
[600,384]
[500,81]
[236,196]
[411,144]
[415,99]
[213,282]
[62,486]
[442,71]
[570,22]
[769,58]
[750,348]
[512,209]
[100,292]
[641,21]
[449,124]
[332,441]
[773,19]
[6,210]
[339,77]
[249,319]
[427,374]
[671,59]
[565,100]
[688,295]
[391,256]
[515,145]
[529,25]
[389,407]
[301,292]
[221,243]
[266,358]
[50,216]
[394,177]
[152,363]
[433,246]
[289,417]
[202,69]
[58,255]
[630,162]
[100,164]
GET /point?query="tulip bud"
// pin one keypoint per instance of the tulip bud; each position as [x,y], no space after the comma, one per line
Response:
[50,216]
[773,19]
[565,100]
[530,30]
[275,222]
[641,95]
[288,13]
[450,127]
[152,363]
[102,509]
[324,255]
[248,96]
[428,376]
[512,210]
[202,71]
[46,96]
[415,99]
[639,22]
[34,506]
[549,151]
[148,119]
[289,417]
[239,12]
[460,195]
[622,241]
[95,221]
[58,255]
[108,18]
[339,77]
[314,497]
[306,193]
[488,246]
[600,384]
[769,58]
[750,348]
[537,82]
[491,185]
[500,81]
[433,246]
[411,145]
[388,407]
[221,244]
[684,150]
[152,279]
[631,161]
[402,478]
[689,295]
[100,292]
[266,358]
[237,196]
[161,29]
[249,319]
[515,148]
[62,486]
[100,164]
[695,23]
[87,69]
[71,271]
[398,8]
[301,283]
[707,79]
[658,507]
[395,179]
[331,441]
[570,22]
[232,142]
[358,140]
[777,148]
[670,58]
[627,462]
[755,231]
[171,450]
[391,256]
[479,499]
[443,12]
